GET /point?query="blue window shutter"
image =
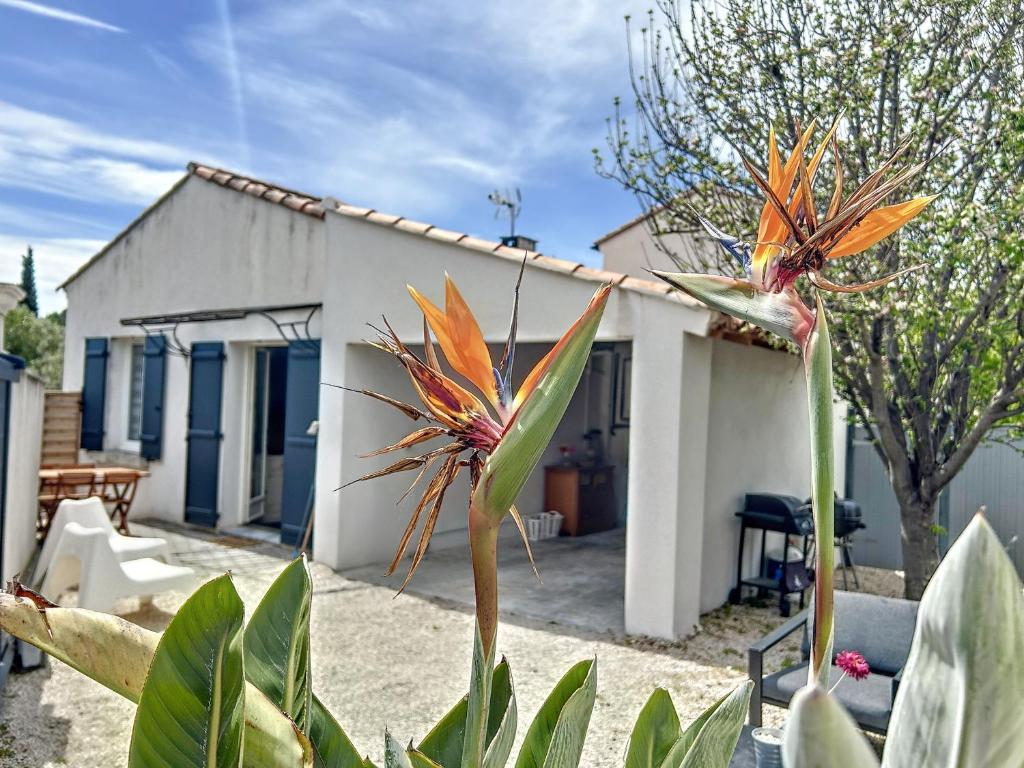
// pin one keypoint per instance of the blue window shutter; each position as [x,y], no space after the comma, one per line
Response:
[154,366]
[94,393]
[302,407]
[202,472]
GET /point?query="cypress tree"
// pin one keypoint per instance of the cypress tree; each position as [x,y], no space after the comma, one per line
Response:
[28,282]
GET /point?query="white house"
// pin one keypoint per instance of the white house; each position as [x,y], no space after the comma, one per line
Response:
[201,334]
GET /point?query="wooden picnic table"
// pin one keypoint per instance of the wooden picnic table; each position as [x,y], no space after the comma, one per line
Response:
[114,485]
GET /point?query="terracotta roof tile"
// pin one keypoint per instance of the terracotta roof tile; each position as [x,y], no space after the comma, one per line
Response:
[515,254]
[599,275]
[386,219]
[413,227]
[353,210]
[447,235]
[296,201]
[479,244]
[555,264]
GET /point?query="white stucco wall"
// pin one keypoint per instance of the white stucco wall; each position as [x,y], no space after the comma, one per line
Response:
[757,442]
[24,448]
[204,247]
[634,250]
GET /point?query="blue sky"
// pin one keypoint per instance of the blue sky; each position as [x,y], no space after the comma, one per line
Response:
[414,108]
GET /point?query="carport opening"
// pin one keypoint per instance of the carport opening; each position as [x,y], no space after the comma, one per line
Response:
[582,476]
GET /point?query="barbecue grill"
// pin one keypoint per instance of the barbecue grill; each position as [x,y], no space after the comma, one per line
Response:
[777,513]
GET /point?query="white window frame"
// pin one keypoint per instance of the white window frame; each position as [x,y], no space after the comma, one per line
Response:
[133,444]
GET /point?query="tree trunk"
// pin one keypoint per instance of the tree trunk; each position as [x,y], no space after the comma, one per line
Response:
[920,547]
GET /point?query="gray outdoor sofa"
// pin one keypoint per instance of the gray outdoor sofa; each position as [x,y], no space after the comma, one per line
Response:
[881,628]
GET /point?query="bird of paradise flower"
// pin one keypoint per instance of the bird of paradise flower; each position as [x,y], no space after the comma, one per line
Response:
[500,444]
[794,241]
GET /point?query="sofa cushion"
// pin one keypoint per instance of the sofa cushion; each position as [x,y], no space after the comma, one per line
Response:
[880,628]
[869,701]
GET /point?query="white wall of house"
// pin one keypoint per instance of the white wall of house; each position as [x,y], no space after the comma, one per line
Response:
[204,247]
[680,472]
[24,449]
[757,434]
[633,250]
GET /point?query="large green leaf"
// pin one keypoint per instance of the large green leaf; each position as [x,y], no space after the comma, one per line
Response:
[277,659]
[333,747]
[960,701]
[501,717]
[394,754]
[818,371]
[820,734]
[657,728]
[474,745]
[555,737]
[444,744]
[418,760]
[527,436]
[117,654]
[711,739]
[780,313]
[191,709]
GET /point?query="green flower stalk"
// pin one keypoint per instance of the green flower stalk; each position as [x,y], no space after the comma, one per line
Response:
[500,445]
[793,241]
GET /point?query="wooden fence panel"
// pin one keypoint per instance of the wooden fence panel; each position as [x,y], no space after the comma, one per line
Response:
[62,424]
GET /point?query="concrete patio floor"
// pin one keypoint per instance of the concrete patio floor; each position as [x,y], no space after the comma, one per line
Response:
[581,579]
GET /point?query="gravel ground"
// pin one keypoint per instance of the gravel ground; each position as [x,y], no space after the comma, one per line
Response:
[380,661]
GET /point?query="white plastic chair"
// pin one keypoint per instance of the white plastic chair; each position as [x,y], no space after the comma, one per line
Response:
[91,513]
[84,556]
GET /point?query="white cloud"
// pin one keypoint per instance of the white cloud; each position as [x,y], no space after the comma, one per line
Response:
[53,155]
[61,15]
[55,259]
[405,107]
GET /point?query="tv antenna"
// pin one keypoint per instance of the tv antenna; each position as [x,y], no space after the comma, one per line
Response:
[505,205]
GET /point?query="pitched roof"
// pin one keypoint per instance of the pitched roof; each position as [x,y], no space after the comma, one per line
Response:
[316,207]
[289,198]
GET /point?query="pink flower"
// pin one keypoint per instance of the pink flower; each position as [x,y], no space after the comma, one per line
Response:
[853,664]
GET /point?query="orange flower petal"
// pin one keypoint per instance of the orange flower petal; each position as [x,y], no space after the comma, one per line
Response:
[878,224]
[772,228]
[465,334]
[438,323]
[454,344]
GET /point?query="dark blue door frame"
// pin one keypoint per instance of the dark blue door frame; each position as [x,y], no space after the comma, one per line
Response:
[202,473]
[302,405]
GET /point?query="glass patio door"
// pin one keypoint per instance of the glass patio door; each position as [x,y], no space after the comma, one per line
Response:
[260,421]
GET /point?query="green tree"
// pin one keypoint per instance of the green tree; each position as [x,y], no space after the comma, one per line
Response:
[39,340]
[931,369]
[28,281]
